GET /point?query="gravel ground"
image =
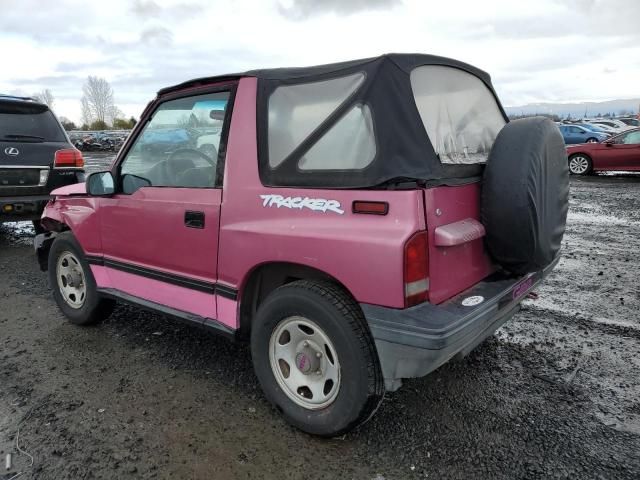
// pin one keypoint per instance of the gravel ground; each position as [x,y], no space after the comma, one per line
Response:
[555,394]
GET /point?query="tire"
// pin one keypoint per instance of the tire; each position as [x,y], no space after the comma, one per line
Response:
[580,164]
[525,195]
[592,140]
[81,309]
[325,309]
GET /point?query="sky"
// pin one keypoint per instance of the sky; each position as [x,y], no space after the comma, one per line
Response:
[535,51]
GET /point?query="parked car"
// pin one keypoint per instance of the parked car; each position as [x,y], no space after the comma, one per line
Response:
[616,125]
[610,130]
[35,157]
[342,225]
[632,122]
[579,134]
[595,128]
[621,152]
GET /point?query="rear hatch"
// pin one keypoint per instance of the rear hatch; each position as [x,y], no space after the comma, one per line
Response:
[462,119]
[30,135]
[458,258]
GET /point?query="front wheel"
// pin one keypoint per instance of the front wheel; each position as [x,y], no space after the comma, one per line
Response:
[74,288]
[592,140]
[580,164]
[315,358]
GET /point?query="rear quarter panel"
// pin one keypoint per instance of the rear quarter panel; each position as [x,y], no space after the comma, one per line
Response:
[363,252]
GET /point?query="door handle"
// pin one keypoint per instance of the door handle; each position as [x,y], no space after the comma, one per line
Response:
[194,219]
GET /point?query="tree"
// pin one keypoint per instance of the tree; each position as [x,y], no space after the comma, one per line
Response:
[45,96]
[67,124]
[121,124]
[86,112]
[98,125]
[97,101]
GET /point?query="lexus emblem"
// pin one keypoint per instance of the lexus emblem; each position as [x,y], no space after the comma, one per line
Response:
[11,151]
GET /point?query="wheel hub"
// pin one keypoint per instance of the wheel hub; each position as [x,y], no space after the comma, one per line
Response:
[308,360]
[74,279]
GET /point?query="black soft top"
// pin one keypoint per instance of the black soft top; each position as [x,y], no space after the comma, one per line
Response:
[403,148]
[404,61]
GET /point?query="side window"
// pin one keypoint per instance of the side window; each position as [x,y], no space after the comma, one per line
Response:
[348,145]
[630,138]
[179,145]
[295,111]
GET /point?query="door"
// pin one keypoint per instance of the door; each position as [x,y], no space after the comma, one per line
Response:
[160,230]
[623,151]
[577,135]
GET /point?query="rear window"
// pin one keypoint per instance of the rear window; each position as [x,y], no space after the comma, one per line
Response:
[31,122]
[296,111]
[459,112]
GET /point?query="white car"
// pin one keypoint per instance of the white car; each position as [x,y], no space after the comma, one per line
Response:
[616,125]
[632,122]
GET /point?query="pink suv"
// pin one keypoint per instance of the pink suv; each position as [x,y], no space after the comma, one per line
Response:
[360,223]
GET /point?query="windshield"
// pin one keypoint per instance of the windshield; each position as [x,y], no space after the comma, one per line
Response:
[593,128]
[27,123]
[459,112]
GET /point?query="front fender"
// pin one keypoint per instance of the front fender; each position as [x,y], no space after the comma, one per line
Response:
[78,214]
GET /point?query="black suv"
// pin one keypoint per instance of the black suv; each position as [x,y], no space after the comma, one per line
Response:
[36,157]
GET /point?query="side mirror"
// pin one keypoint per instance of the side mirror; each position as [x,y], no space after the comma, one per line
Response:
[608,143]
[101,184]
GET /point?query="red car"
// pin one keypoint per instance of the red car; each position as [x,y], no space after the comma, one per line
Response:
[621,152]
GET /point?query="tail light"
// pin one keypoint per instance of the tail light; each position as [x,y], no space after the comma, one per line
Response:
[416,270]
[69,157]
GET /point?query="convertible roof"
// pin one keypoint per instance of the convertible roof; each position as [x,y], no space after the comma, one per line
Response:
[403,149]
[404,61]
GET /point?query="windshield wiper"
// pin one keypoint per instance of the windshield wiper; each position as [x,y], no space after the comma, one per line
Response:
[17,136]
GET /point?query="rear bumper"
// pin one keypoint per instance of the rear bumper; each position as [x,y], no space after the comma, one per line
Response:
[27,207]
[415,341]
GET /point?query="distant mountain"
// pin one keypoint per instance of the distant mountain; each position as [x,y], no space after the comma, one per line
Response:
[579,110]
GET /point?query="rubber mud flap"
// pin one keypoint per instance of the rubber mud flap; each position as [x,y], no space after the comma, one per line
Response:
[525,195]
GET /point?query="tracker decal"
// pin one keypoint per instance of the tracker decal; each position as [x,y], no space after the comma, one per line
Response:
[315,204]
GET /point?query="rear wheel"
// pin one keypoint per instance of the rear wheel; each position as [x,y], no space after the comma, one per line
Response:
[74,288]
[580,164]
[315,358]
[592,140]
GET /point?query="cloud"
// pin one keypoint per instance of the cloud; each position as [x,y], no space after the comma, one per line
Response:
[157,36]
[548,50]
[146,8]
[302,9]
[150,9]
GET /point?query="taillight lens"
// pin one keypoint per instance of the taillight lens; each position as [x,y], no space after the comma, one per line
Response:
[416,269]
[69,157]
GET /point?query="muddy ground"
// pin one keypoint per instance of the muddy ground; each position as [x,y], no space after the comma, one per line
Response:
[555,394]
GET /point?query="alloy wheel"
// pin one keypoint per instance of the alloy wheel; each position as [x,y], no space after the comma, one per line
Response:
[579,165]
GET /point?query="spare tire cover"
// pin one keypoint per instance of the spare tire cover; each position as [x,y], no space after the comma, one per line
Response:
[525,195]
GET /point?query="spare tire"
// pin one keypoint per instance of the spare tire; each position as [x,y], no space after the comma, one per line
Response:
[525,195]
